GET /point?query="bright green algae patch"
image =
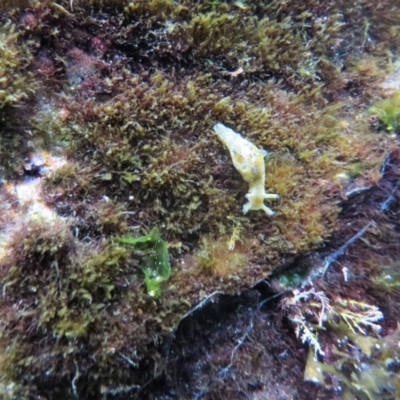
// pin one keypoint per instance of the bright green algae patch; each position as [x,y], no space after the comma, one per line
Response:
[155,260]
[131,96]
[388,112]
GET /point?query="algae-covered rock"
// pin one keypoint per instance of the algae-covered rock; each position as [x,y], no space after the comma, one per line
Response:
[142,218]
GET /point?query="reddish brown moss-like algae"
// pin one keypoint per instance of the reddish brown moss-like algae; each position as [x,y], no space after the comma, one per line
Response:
[130,93]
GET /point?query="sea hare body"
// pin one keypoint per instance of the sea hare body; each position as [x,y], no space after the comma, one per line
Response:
[249,161]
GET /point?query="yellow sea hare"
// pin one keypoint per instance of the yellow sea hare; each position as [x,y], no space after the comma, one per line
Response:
[249,161]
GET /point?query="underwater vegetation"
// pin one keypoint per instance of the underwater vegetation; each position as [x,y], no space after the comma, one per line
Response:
[17,87]
[125,94]
[155,260]
[388,112]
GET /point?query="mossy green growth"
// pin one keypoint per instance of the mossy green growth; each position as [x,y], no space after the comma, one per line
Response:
[154,261]
[388,112]
[17,86]
[291,279]
[388,281]
[148,83]
[222,258]
[71,297]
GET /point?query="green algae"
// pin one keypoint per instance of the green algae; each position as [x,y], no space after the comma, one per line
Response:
[15,84]
[291,279]
[367,372]
[388,112]
[389,280]
[155,260]
[17,88]
[135,90]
